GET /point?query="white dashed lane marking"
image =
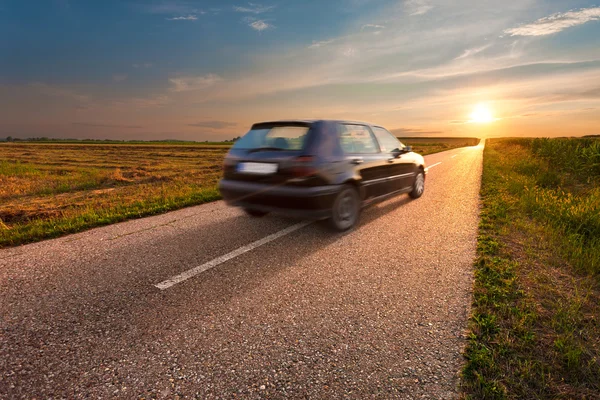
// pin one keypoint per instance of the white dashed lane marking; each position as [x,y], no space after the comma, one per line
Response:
[431,166]
[220,260]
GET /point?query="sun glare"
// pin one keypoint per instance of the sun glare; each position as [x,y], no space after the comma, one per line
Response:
[481,114]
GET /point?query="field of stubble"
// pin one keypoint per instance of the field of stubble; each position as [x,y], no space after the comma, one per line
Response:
[47,190]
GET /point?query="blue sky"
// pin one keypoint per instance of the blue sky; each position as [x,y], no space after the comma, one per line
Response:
[206,70]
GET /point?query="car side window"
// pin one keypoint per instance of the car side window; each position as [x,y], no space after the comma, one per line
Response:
[387,141]
[357,139]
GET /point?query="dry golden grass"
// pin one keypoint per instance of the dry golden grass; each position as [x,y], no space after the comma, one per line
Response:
[50,189]
[426,146]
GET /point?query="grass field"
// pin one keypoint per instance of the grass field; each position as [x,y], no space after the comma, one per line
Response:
[47,190]
[426,146]
[535,326]
[51,189]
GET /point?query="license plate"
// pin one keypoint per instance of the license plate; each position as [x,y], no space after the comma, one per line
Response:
[257,168]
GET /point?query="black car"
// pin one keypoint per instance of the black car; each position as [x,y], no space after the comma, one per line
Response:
[319,169]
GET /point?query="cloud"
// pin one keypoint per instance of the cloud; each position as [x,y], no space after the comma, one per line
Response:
[254,23]
[94,125]
[260,25]
[171,7]
[214,124]
[372,26]
[556,22]
[321,43]
[189,17]
[144,65]
[57,91]
[414,131]
[141,102]
[186,83]
[349,52]
[592,93]
[417,7]
[574,95]
[471,52]
[119,77]
[555,113]
[253,8]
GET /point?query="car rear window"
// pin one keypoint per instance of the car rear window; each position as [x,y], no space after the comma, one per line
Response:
[280,137]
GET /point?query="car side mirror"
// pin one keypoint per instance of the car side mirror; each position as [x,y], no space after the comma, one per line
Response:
[397,153]
[407,149]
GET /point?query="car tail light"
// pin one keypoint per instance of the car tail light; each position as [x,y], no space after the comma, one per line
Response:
[228,166]
[303,167]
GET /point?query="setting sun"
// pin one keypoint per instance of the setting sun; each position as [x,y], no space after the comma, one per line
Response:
[481,114]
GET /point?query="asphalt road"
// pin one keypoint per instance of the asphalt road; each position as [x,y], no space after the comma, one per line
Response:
[379,312]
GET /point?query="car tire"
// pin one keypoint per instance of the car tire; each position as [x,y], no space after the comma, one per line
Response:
[255,213]
[418,185]
[346,209]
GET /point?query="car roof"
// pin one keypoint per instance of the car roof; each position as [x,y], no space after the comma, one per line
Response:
[312,121]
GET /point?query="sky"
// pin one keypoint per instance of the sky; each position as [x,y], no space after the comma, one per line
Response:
[207,70]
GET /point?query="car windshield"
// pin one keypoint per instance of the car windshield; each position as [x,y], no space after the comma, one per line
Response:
[273,138]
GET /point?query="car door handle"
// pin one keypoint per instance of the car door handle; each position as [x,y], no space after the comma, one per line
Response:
[357,161]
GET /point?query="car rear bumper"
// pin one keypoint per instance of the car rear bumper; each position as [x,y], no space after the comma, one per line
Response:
[303,202]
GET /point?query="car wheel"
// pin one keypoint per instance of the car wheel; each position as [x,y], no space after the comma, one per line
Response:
[418,186]
[346,209]
[255,213]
